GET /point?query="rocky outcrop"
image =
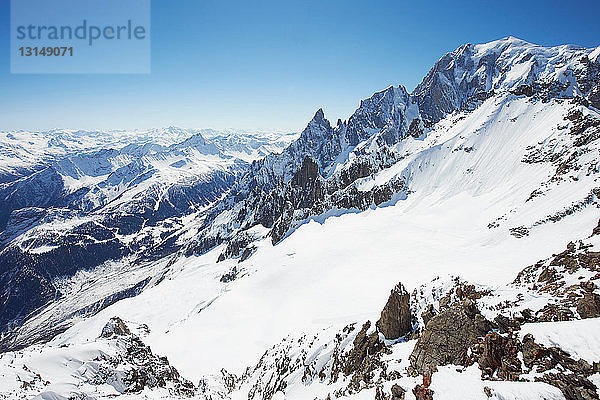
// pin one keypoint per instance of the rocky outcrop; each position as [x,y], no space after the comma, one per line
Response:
[422,392]
[572,380]
[589,305]
[363,359]
[137,368]
[573,386]
[115,327]
[448,338]
[498,357]
[549,277]
[398,392]
[396,318]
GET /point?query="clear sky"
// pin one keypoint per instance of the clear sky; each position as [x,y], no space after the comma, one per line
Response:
[270,64]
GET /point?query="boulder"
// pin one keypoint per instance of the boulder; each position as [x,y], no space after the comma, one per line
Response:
[398,393]
[448,337]
[395,321]
[363,359]
[422,393]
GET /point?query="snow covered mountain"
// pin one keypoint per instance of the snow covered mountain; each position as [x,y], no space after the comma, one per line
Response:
[474,200]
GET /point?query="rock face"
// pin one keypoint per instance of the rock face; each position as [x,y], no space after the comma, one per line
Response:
[448,337]
[421,392]
[428,314]
[398,392]
[395,321]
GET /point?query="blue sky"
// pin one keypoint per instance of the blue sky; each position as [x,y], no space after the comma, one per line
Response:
[271,64]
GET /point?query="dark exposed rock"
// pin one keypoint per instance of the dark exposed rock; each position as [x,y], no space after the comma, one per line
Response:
[586,128]
[554,312]
[531,351]
[519,232]
[422,392]
[230,276]
[151,371]
[237,245]
[415,129]
[308,194]
[448,337]
[572,381]
[548,277]
[499,357]
[428,314]
[487,391]
[248,251]
[525,89]
[115,327]
[506,325]
[588,286]
[548,274]
[594,97]
[136,367]
[589,305]
[573,386]
[398,392]
[364,358]
[395,321]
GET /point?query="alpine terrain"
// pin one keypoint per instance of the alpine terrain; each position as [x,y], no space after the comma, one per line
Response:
[442,243]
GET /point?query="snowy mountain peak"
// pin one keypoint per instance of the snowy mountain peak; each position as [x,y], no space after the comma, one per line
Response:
[504,65]
[319,115]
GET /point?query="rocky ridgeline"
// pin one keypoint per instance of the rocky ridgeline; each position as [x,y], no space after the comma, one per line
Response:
[446,319]
[136,368]
[281,190]
[576,265]
[306,194]
[315,174]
